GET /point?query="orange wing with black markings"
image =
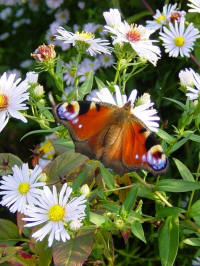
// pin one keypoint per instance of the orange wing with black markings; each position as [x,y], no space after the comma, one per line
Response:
[112,135]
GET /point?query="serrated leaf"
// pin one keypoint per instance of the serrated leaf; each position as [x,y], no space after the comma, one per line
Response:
[7,161]
[86,87]
[65,164]
[192,241]
[75,251]
[130,199]
[8,232]
[173,185]
[169,240]
[138,231]
[184,171]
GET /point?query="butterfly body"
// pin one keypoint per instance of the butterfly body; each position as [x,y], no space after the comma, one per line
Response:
[112,135]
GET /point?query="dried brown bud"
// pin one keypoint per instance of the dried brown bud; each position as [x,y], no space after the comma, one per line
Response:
[44,53]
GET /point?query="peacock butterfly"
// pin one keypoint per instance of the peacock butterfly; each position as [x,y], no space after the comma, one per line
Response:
[113,135]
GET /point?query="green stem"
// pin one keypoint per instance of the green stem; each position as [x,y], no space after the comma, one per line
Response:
[192,194]
[76,81]
[118,71]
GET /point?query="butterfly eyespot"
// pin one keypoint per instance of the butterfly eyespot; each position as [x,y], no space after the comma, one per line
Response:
[156,162]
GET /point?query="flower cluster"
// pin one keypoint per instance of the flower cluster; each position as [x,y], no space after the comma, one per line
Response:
[24,192]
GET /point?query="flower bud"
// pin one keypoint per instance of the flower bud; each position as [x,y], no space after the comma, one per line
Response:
[44,53]
[75,225]
[85,190]
[186,77]
[39,91]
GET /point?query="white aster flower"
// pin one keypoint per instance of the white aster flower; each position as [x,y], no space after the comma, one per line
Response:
[4,36]
[54,211]
[193,90]
[69,72]
[93,46]
[144,111]
[5,13]
[81,4]
[138,37]
[195,6]
[32,77]
[21,188]
[12,95]
[86,66]
[161,18]
[112,18]
[62,16]
[106,60]
[34,4]
[186,77]
[54,3]
[90,27]
[179,40]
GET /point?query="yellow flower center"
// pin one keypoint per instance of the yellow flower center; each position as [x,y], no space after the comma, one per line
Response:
[56,213]
[160,19]
[106,58]
[179,41]
[85,35]
[47,147]
[23,188]
[3,102]
[133,35]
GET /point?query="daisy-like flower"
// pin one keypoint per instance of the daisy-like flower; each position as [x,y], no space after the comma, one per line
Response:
[34,4]
[5,13]
[12,95]
[21,188]
[62,16]
[112,18]
[54,211]
[106,60]
[47,150]
[92,46]
[186,77]
[161,18]
[86,66]
[195,6]
[138,37]
[142,111]
[179,40]
[193,89]
[54,3]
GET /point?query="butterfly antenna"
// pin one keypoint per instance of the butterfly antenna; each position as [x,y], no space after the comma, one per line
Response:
[51,99]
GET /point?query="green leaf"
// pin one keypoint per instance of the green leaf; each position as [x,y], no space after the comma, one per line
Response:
[7,161]
[181,105]
[169,240]
[138,16]
[65,164]
[41,131]
[168,211]
[178,144]
[107,177]
[100,83]
[184,171]
[97,218]
[195,209]
[86,87]
[79,180]
[192,241]
[195,138]
[75,251]
[173,185]
[138,231]
[165,136]
[8,232]
[44,253]
[7,253]
[130,199]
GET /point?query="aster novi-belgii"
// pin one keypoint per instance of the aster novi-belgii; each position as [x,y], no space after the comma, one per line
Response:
[186,77]
[92,45]
[112,18]
[55,211]
[138,37]
[21,188]
[179,40]
[193,89]
[195,6]
[12,95]
[143,111]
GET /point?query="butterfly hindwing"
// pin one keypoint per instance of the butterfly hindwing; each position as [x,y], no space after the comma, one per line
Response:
[112,135]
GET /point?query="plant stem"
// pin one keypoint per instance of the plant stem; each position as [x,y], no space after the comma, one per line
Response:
[148,7]
[194,60]
[164,200]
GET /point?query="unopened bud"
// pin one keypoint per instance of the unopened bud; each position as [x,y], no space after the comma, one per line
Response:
[44,53]
[85,190]
[39,91]
[75,225]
